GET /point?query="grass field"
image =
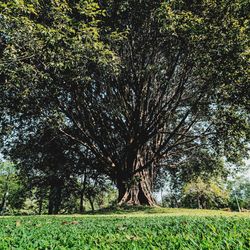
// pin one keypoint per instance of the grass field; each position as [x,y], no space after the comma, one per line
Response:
[134,229]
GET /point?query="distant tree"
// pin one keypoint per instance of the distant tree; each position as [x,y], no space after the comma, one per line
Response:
[204,194]
[6,171]
[203,163]
[95,191]
[91,186]
[239,190]
[12,192]
[57,171]
[138,84]
[47,164]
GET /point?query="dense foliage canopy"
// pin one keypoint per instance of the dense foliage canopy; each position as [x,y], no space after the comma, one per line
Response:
[134,85]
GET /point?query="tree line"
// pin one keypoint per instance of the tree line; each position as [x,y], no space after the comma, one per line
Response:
[20,195]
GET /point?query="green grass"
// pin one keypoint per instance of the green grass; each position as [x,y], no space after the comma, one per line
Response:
[137,229]
[158,211]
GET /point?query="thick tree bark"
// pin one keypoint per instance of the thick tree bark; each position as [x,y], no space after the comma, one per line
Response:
[138,192]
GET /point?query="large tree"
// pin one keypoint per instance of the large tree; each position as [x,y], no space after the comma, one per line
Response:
[137,83]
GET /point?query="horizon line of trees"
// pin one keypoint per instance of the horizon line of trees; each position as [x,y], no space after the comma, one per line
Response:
[87,192]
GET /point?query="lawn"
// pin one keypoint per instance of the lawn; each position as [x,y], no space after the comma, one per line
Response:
[134,229]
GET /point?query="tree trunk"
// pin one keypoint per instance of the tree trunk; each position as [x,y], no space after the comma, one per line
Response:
[138,192]
[3,203]
[55,197]
[51,201]
[91,204]
[82,191]
[40,205]
[81,207]
[199,202]
[58,199]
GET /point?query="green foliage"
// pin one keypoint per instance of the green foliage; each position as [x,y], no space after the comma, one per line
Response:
[201,165]
[54,47]
[239,189]
[159,232]
[204,194]
[136,84]
[12,191]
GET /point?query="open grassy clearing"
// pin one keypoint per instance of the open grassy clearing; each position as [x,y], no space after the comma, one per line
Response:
[149,211]
[160,211]
[148,229]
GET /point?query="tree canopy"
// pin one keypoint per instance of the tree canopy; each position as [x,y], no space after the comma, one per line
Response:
[137,84]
